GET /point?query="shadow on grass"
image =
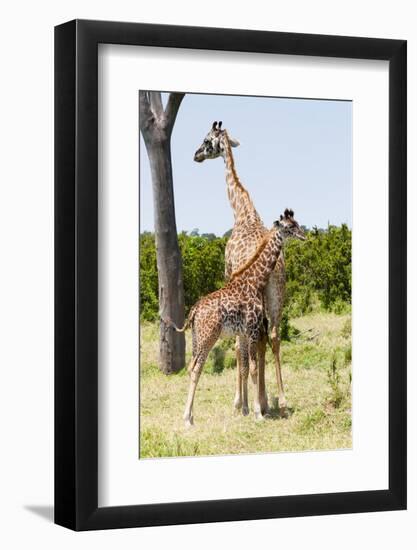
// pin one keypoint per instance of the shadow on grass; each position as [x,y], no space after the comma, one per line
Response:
[275,413]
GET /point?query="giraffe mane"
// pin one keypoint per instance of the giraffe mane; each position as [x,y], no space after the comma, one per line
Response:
[253,258]
[232,163]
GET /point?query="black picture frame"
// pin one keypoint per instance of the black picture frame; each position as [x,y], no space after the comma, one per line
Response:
[76,272]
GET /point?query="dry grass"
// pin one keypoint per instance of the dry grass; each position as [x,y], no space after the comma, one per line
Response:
[318,397]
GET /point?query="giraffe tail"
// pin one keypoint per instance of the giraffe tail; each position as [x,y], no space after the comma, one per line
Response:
[266,331]
[170,323]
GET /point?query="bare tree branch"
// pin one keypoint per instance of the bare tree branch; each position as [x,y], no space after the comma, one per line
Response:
[146,117]
[144,105]
[171,110]
[156,104]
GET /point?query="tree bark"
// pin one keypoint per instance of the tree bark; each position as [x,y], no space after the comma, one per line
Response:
[156,127]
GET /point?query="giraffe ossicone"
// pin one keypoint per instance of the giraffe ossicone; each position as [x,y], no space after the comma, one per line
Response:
[214,144]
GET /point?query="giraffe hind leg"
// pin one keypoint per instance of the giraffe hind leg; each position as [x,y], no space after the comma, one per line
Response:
[275,341]
[194,370]
[244,373]
[237,403]
[263,398]
[254,371]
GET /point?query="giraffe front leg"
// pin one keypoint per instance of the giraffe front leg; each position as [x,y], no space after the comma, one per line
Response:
[253,367]
[276,343]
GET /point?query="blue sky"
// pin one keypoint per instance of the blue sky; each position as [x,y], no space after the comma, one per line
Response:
[294,153]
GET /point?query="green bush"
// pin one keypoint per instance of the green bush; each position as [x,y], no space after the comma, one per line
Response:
[203,269]
[333,376]
[348,354]
[287,330]
[148,277]
[203,265]
[319,269]
[230,361]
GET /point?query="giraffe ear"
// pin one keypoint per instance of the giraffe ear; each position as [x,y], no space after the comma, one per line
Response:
[234,142]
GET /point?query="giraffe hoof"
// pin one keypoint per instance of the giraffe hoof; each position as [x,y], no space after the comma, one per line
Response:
[259,417]
[281,405]
[245,410]
[266,412]
[283,411]
[189,422]
[237,404]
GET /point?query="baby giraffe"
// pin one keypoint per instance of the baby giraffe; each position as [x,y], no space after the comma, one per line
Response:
[237,309]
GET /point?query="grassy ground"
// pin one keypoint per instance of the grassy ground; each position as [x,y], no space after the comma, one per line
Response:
[316,373]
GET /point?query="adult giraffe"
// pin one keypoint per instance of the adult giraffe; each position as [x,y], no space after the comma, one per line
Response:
[248,231]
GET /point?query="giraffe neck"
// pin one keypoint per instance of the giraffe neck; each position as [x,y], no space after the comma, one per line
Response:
[239,198]
[258,271]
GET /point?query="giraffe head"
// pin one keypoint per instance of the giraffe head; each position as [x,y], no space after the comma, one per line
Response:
[289,227]
[213,145]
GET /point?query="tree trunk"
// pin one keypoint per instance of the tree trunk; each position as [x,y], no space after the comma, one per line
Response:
[168,256]
[156,126]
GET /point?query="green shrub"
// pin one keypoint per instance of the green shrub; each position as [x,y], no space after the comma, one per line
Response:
[333,377]
[320,267]
[348,354]
[216,360]
[230,361]
[287,330]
